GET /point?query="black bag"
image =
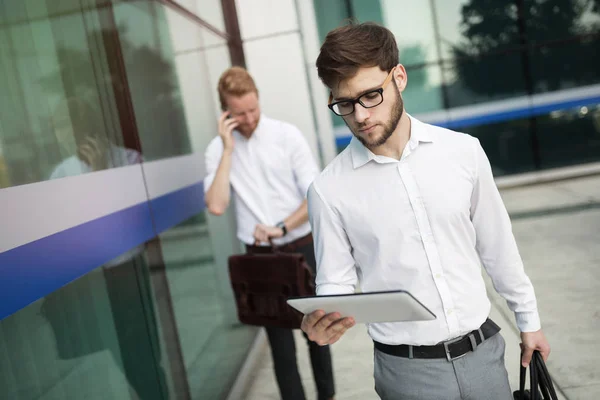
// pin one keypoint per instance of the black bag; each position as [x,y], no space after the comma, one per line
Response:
[541,386]
[263,282]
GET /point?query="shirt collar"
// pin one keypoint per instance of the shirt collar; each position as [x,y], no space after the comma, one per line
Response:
[361,155]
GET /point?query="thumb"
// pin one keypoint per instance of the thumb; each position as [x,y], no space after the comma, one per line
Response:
[526,356]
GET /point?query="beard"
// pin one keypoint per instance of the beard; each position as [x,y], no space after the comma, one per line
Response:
[388,127]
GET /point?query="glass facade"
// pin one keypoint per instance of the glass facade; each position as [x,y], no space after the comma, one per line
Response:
[107,108]
[520,75]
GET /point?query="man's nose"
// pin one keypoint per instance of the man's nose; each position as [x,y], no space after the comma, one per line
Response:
[361,114]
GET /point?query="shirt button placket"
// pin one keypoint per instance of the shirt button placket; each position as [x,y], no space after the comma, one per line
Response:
[429,244]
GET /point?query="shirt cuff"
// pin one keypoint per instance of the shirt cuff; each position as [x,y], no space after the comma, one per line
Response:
[329,289]
[528,321]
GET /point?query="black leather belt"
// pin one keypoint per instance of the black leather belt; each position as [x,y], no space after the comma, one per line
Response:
[450,350]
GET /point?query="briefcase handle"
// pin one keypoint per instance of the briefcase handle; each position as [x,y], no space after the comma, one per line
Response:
[539,378]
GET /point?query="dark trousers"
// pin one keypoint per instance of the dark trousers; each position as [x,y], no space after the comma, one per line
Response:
[283,351]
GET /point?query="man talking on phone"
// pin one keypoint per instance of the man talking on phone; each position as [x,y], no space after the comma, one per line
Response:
[267,166]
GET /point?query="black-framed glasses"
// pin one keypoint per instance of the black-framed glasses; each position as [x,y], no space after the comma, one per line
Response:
[371,99]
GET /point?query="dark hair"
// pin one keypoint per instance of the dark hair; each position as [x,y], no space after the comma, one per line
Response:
[350,47]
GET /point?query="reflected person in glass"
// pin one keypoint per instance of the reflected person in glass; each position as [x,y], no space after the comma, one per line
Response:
[267,166]
[85,145]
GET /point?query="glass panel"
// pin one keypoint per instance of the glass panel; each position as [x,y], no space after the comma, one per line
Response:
[366,10]
[566,66]
[560,19]
[152,76]
[476,80]
[214,344]
[507,145]
[189,259]
[569,137]
[211,12]
[476,27]
[57,113]
[413,29]
[424,90]
[92,339]
[329,15]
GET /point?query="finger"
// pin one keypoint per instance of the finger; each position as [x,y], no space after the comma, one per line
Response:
[223,117]
[230,126]
[86,151]
[335,338]
[334,332]
[545,352]
[95,144]
[310,320]
[327,321]
[341,326]
[526,357]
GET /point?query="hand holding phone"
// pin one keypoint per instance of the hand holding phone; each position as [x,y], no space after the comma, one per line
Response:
[226,126]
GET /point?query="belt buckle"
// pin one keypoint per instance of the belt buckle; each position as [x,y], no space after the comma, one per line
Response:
[447,349]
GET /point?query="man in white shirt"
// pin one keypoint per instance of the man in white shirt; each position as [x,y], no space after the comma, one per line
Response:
[411,206]
[268,166]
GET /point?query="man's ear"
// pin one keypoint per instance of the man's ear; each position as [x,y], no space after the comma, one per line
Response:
[400,77]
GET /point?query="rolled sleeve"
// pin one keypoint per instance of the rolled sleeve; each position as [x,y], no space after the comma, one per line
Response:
[336,269]
[497,247]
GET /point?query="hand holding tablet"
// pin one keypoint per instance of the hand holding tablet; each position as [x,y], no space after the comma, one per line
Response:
[388,306]
[337,313]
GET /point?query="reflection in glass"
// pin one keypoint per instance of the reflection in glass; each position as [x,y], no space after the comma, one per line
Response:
[423,92]
[88,340]
[213,349]
[478,80]
[567,66]
[570,136]
[49,66]
[413,28]
[85,149]
[475,27]
[507,145]
[560,19]
[152,81]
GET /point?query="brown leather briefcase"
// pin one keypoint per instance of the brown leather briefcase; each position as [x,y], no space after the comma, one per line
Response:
[263,282]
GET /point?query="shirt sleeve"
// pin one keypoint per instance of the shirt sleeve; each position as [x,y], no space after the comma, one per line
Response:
[212,158]
[336,269]
[497,247]
[304,164]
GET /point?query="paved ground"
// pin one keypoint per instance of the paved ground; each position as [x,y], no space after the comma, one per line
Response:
[557,226]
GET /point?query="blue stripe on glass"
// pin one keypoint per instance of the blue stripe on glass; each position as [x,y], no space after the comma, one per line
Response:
[31,271]
[343,141]
[174,208]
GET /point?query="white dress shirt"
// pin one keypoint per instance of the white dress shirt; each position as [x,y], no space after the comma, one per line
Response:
[270,175]
[424,224]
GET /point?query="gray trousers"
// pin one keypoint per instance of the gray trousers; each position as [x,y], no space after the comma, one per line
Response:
[480,375]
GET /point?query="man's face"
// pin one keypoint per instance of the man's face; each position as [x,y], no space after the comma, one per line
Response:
[372,126]
[245,110]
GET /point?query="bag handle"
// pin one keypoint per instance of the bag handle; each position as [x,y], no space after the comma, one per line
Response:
[539,378]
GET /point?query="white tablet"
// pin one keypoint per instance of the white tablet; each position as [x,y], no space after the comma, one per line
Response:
[388,306]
